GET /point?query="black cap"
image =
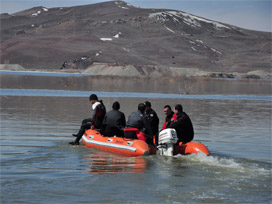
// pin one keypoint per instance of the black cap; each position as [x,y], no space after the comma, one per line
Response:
[93,97]
[147,103]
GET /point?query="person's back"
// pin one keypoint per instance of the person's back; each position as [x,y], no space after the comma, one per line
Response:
[136,120]
[114,122]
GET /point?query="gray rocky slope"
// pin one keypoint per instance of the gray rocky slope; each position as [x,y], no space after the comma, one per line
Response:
[120,34]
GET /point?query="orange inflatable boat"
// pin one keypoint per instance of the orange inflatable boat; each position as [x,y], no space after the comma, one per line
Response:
[134,147]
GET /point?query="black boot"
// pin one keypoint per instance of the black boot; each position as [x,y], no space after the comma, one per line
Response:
[81,130]
[74,143]
[79,134]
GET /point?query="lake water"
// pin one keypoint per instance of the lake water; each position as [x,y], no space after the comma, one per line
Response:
[38,165]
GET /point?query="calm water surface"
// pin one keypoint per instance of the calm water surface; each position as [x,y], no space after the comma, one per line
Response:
[38,165]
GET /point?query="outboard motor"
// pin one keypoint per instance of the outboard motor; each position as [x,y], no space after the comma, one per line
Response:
[167,139]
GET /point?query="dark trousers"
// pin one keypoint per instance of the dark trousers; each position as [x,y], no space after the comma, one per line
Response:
[85,125]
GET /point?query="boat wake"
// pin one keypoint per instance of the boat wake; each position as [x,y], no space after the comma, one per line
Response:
[223,164]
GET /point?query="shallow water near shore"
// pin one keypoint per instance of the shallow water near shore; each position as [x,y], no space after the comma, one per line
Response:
[38,165]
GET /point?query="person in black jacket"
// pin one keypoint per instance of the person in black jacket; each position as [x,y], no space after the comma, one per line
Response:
[138,120]
[152,121]
[152,118]
[183,125]
[94,122]
[114,122]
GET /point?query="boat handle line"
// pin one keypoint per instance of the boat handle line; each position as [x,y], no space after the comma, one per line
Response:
[109,144]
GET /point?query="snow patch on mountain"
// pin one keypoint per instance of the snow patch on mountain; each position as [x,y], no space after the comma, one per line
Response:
[36,14]
[188,19]
[125,49]
[117,35]
[216,51]
[169,29]
[39,12]
[106,39]
[119,4]
[199,41]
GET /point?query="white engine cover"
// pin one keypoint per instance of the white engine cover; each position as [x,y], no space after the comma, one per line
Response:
[167,139]
[168,136]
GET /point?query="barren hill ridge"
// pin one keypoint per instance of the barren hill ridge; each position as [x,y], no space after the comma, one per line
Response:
[118,33]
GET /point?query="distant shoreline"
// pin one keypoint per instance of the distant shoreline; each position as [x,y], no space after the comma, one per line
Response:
[168,84]
[144,71]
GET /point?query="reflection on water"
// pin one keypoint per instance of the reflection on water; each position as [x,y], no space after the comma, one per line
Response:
[181,85]
[64,93]
[38,165]
[103,162]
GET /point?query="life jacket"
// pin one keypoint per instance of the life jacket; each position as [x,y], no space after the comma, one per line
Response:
[169,121]
[99,115]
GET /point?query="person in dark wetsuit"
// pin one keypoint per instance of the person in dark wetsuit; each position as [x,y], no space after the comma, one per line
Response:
[114,122]
[183,125]
[94,122]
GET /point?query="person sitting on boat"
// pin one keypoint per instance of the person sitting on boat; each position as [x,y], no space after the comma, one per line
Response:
[170,116]
[183,125]
[114,122]
[95,121]
[137,120]
[152,119]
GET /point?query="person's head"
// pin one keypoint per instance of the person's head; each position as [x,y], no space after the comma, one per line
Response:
[116,105]
[178,109]
[93,98]
[167,109]
[147,105]
[141,107]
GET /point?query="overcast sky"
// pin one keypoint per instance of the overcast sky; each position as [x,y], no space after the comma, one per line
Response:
[250,14]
